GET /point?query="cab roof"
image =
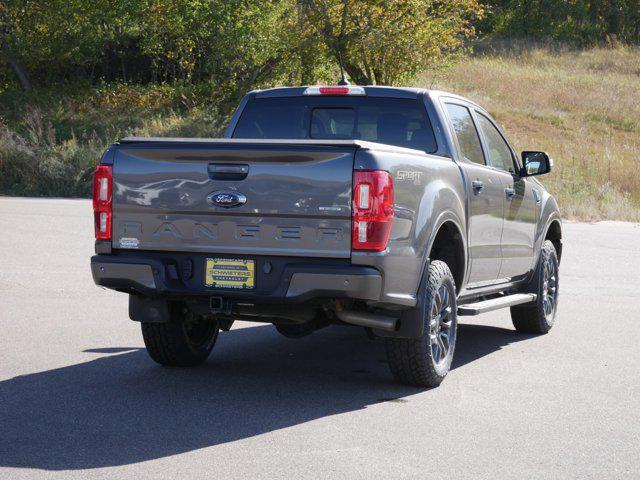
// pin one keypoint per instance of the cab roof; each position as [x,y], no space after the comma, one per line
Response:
[370,90]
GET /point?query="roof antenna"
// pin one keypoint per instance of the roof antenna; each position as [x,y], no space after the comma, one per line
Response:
[343,79]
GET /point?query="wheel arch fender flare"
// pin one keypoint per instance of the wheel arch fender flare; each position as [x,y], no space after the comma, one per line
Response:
[552,218]
[447,216]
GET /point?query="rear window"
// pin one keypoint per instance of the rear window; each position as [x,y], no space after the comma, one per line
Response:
[394,121]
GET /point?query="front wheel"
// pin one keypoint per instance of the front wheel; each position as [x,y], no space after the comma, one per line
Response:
[538,317]
[185,341]
[426,360]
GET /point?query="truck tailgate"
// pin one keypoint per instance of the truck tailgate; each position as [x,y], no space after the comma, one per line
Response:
[290,198]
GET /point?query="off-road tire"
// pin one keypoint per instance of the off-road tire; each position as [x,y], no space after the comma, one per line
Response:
[185,341]
[531,317]
[411,360]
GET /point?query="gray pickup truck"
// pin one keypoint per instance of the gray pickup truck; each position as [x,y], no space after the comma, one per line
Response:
[393,209]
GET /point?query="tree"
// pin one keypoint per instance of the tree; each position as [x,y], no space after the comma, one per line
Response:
[388,41]
[7,21]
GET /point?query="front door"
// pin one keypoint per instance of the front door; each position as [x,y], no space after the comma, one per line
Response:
[521,203]
[520,219]
[486,199]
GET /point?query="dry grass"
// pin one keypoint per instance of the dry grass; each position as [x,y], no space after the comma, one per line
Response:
[583,107]
[51,141]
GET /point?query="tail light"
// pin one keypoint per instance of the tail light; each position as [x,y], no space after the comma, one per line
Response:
[372,210]
[102,201]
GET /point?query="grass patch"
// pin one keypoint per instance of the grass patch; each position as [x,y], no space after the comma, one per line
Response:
[580,106]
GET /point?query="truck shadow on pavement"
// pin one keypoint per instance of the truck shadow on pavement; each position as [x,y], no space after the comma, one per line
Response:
[121,408]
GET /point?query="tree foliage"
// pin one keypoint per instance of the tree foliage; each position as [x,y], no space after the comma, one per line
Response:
[234,45]
[387,41]
[228,42]
[578,21]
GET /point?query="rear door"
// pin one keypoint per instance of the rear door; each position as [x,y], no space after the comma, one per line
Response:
[227,196]
[486,197]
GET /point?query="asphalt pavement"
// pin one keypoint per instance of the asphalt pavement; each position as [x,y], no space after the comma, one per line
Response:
[79,398]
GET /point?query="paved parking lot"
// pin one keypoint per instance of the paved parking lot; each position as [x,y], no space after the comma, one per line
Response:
[80,399]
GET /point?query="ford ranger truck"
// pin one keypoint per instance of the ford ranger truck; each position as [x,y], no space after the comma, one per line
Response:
[393,209]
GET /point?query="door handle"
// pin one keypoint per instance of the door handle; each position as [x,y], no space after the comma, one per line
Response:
[477,185]
[510,192]
[227,171]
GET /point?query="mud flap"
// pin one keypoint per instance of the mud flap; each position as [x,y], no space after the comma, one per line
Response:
[411,324]
[148,310]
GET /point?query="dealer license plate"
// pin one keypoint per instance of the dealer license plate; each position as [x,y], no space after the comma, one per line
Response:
[230,273]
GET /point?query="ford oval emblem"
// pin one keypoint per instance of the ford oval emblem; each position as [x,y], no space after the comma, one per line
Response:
[226,199]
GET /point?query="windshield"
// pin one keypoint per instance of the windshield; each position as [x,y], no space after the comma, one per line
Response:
[394,121]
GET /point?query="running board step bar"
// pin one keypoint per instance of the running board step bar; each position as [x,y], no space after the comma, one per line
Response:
[496,303]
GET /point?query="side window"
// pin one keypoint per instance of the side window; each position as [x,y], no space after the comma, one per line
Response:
[466,132]
[499,152]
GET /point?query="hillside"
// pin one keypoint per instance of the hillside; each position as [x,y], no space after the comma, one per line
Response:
[580,106]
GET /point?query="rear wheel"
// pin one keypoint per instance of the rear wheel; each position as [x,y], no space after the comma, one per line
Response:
[426,360]
[538,317]
[185,341]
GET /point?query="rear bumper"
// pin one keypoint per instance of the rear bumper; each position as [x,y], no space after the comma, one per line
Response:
[278,279]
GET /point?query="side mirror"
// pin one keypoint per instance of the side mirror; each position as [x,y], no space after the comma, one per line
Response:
[535,163]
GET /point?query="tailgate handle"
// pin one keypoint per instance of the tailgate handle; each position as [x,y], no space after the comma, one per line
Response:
[227,171]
